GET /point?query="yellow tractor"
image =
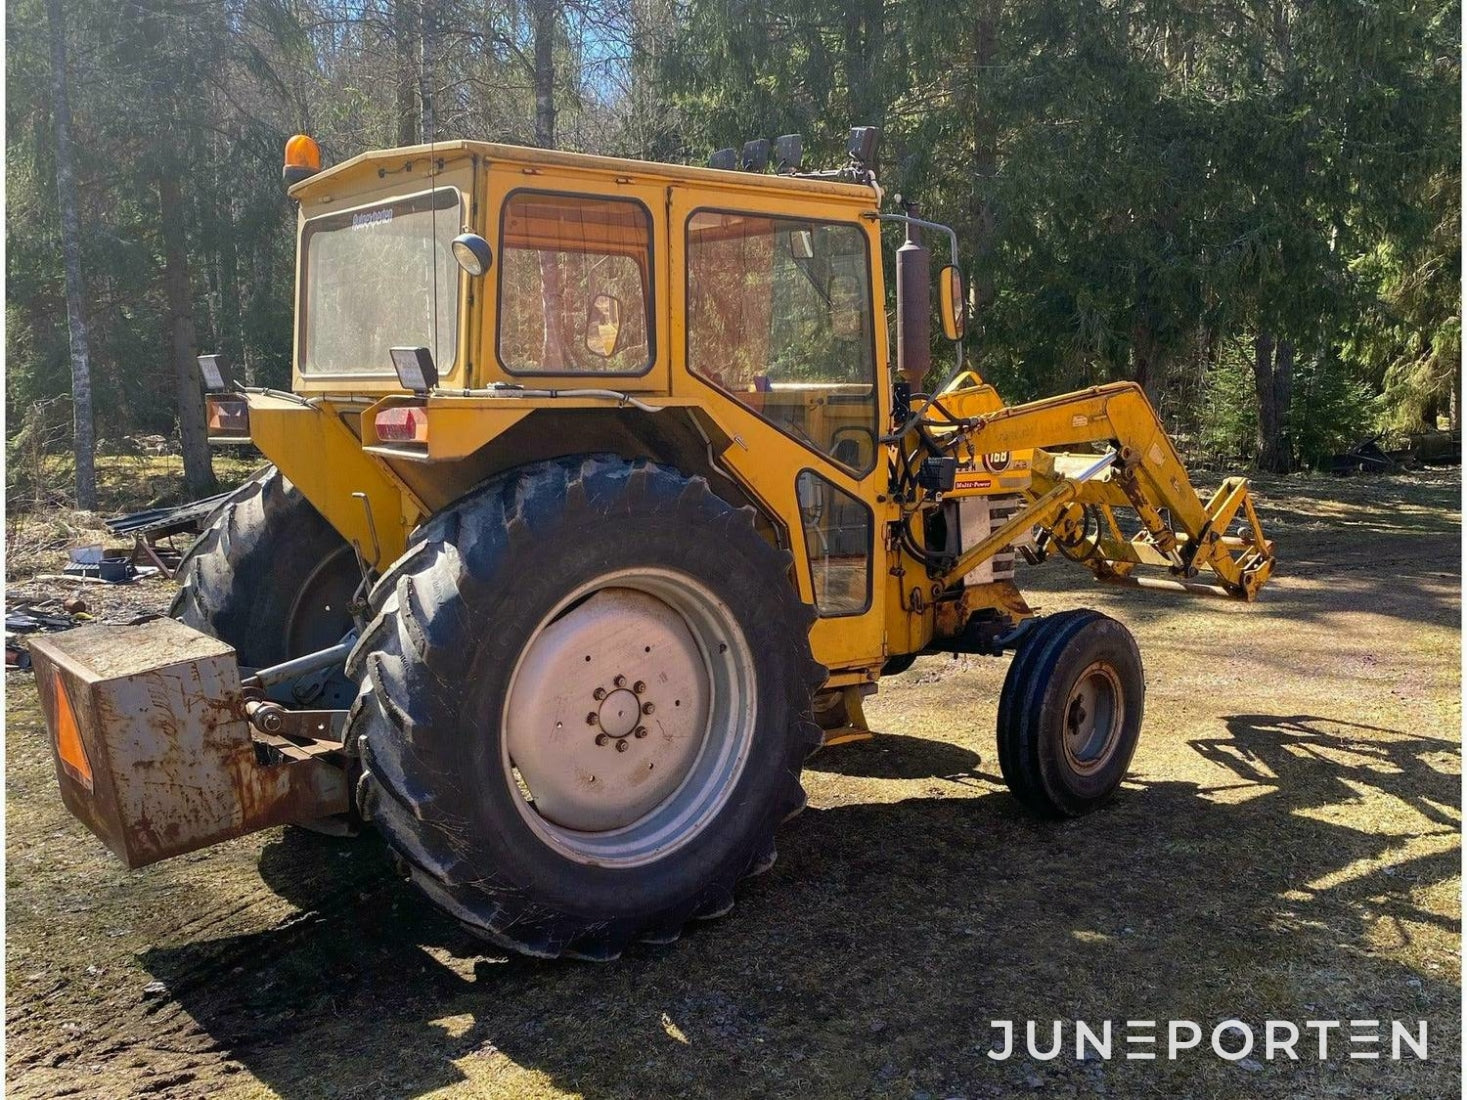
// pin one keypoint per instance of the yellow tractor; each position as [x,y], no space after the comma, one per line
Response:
[595,508]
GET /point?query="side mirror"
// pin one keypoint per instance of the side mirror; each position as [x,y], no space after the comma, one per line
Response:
[603,326]
[951,304]
[472,253]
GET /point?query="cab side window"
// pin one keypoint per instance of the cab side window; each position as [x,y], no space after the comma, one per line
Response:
[575,278]
[780,316]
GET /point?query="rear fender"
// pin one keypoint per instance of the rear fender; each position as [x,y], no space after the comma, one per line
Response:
[314,446]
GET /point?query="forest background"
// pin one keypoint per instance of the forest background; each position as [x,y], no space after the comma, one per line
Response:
[1252,207]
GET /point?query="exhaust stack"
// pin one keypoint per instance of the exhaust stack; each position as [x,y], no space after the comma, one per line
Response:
[914,305]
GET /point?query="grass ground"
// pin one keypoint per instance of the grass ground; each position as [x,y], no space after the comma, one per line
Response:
[1287,847]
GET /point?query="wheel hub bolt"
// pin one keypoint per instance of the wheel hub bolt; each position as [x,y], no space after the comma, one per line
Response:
[620,681]
[1077,715]
[599,694]
[592,718]
[639,687]
[602,738]
[640,731]
[648,708]
[621,746]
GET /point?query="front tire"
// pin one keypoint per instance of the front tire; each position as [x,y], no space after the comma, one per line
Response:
[1070,714]
[584,706]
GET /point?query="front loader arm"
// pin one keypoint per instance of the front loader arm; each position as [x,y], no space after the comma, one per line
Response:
[1071,494]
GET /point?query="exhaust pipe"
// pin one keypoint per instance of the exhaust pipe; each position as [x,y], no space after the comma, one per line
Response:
[914,306]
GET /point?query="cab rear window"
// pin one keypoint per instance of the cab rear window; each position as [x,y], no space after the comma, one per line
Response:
[380,277]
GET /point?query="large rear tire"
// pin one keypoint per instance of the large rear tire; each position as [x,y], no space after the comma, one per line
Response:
[585,702]
[272,578]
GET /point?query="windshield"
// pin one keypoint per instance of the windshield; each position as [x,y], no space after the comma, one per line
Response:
[370,283]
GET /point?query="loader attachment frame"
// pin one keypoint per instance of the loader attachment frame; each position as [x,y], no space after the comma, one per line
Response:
[1071,493]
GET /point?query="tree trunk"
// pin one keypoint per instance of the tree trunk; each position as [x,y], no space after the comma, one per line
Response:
[198,460]
[83,442]
[1283,398]
[1148,369]
[229,338]
[256,306]
[1268,419]
[1273,378]
[405,26]
[985,153]
[233,340]
[554,353]
[1454,406]
[427,56]
[544,13]
[865,31]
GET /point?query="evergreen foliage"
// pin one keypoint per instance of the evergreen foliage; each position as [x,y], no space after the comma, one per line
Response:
[1251,207]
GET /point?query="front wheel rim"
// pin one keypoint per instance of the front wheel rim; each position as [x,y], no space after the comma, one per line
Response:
[629,717]
[1093,716]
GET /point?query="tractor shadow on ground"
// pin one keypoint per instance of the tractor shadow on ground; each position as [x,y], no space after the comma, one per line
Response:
[874,955]
[899,756]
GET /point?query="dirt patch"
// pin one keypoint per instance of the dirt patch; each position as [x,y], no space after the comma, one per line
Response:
[1287,847]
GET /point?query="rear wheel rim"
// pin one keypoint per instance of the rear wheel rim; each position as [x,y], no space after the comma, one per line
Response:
[629,717]
[320,613]
[320,616]
[1093,716]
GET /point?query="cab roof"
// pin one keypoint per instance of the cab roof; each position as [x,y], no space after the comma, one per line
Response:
[364,165]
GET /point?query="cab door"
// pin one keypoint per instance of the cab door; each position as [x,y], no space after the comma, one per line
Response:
[777,332]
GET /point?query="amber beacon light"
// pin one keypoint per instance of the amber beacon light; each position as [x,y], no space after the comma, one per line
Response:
[302,159]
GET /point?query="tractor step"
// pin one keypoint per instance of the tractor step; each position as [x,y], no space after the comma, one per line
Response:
[154,749]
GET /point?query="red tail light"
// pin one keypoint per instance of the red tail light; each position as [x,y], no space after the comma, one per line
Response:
[402,424]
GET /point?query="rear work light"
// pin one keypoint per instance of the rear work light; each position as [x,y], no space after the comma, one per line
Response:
[229,417]
[402,424]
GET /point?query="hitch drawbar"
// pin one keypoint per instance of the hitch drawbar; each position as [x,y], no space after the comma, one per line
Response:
[153,747]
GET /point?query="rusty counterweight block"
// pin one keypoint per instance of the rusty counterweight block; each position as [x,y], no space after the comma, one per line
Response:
[151,745]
